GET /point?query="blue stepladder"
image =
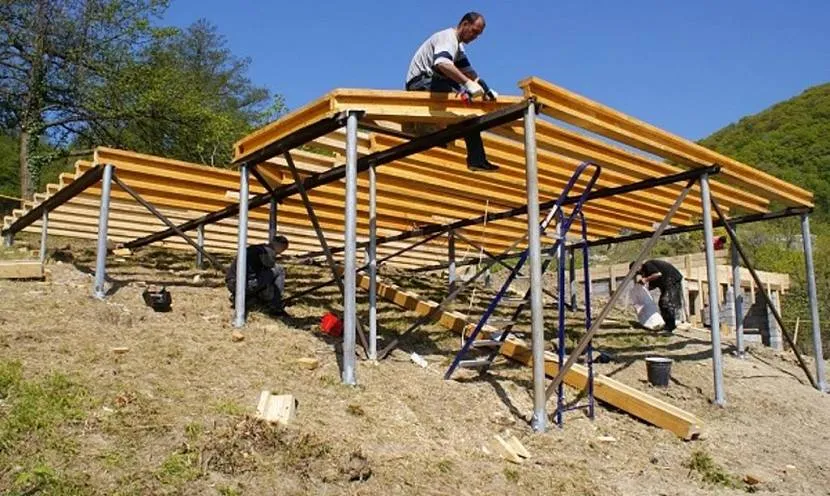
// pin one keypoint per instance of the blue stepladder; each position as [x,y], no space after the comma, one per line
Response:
[561,346]
[492,343]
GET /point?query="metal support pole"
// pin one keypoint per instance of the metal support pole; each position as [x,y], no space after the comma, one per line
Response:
[537,323]
[373,266]
[103,223]
[739,300]
[572,277]
[451,272]
[241,249]
[714,291]
[818,354]
[272,219]
[349,255]
[200,240]
[44,233]
[160,216]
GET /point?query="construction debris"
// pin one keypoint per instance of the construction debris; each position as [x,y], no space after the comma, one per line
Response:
[418,360]
[21,269]
[281,409]
[510,448]
[308,363]
[237,336]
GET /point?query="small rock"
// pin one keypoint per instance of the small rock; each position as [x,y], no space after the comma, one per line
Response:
[120,350]
[789,468]
[607,439]
[753,479]
[237,336]
[197,279]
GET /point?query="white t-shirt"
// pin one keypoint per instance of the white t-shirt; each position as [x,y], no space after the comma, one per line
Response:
[441,46]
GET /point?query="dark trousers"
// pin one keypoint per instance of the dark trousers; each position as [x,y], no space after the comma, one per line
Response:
[670,302]
[438,84]
[262,291]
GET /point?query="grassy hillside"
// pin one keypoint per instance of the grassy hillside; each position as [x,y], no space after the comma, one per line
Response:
[790,140]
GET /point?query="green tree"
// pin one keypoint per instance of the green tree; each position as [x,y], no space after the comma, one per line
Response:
[190,99]
[54,55]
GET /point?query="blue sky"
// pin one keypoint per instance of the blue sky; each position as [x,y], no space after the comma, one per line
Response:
[691,67]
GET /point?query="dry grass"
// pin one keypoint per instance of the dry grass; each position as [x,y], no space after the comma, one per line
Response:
[173,414]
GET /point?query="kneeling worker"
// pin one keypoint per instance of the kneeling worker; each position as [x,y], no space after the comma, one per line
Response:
[663,275]
[265,277]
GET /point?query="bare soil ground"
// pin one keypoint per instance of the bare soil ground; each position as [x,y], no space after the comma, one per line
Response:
[173,414]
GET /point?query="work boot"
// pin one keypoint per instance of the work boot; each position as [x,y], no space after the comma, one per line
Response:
[485,166]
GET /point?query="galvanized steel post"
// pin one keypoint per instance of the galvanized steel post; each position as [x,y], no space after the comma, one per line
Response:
[451,269]
[44,234]
[241,249]
[738,307]
[349,255]
[103,224]
[200,240]
[714,291]
[373,266]
[818,354]
[272,219]
[537,324]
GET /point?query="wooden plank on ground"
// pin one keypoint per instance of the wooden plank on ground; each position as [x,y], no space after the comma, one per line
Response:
[21,269]
[614,393]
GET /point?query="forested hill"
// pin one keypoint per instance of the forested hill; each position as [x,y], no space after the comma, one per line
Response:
[790,140]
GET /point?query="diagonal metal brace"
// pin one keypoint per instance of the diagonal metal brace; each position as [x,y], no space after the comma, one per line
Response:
[595,326]
[166,221]
[322,238]
[734,238]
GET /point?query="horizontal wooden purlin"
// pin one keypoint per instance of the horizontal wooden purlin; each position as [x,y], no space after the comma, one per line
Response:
[388,184]
[494,240]
[428,212]
[84,182]
[469,125]
[557,170]
[124,217]
[580,111]
[605,211]
[655,200]
[296,213]
[411,106]
[174,169]
[318,109]
[287,225]
[565,142]
[122,236]
[550,184]
[157,190]
[505,192]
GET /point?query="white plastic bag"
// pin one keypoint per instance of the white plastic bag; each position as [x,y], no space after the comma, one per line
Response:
[647,312]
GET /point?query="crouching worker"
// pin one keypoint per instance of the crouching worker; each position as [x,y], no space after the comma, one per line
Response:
[265,277]
[663,275]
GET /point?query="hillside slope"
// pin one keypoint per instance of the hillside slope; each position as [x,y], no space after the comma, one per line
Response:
[790,140]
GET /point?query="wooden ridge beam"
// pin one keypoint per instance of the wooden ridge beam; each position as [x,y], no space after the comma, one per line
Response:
[575,109]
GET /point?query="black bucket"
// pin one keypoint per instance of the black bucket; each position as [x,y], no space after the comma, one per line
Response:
[659,371]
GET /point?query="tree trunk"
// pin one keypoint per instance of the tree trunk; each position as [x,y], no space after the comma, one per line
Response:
[26,186]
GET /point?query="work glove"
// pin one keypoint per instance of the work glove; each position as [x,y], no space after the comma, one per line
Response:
[473,88]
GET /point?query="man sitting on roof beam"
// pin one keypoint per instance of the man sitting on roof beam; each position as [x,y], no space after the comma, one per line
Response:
[440,65]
